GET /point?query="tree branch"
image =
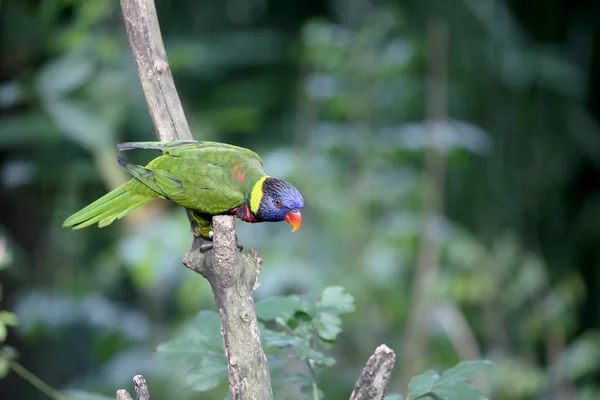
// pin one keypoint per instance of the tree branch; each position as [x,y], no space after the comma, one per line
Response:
[146,44]
[141,388]
[374,378]
[232,276]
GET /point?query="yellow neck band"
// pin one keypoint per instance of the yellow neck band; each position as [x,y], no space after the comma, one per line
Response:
[256,194]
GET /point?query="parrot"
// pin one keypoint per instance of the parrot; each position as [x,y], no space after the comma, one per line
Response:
[207,178]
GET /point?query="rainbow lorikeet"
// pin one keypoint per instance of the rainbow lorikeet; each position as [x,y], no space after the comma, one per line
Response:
[207,178]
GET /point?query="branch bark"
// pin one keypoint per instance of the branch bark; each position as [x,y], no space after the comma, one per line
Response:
[232,276]
[373,381]
[146,44]
[141,388]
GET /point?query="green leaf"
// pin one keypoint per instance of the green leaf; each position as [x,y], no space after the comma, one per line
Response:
[458,391]
[8,318]
[80,395]
[208,326]
[393,397]
[336,298]
[64,74]
[185,350]
[80,123]
[422,384]
[208,374]
[329,326]
[3,331]
[299,318]
[278,306]
[4,367]
[279,339]
[463,371]
[305,352]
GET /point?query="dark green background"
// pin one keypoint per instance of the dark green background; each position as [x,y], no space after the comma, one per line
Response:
[324,90]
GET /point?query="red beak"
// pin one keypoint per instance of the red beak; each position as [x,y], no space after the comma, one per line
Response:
[294,218]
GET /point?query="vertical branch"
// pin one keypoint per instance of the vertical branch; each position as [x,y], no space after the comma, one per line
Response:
[146,44]
[426,269]
[232,276]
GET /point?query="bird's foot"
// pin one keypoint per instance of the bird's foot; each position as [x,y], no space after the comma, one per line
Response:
[209,246]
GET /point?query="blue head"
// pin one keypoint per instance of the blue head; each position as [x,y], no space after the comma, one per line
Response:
[280,201]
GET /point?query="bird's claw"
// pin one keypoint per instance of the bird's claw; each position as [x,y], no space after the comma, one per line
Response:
[209,246]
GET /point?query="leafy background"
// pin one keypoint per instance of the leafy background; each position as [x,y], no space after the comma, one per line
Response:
[334,95]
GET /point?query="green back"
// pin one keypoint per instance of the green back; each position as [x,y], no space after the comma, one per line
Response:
[208,177]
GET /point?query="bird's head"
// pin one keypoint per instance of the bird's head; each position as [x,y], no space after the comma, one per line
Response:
[277,200]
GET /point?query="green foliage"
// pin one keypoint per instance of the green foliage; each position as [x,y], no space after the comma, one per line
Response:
[6,319]
[291,329]
[200,350]
[80,395]
[296,329]
[450,385]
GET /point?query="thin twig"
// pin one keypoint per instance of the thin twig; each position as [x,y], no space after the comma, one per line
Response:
[32,379]
[314,379]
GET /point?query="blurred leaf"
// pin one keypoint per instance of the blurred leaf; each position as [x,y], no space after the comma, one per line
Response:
[422,384]
[8,318]
[306,352]
[202,340]
[463,371]
[458,391]
[336,298]
[27,129]
[208,374]
[64,74]
[3,331]
[451,384]
[182,350]
[80,124]
[393,397]
[513,378]
[329,326]
[80,395]
[208,326]
[581,358]
[4,367]
[278,306]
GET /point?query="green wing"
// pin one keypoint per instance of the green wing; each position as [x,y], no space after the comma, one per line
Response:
[200,177]
[179,147]
[203,188]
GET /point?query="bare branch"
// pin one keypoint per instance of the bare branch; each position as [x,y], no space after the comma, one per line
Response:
[146,44]
[141,388]
[122,394]
[232,276]
[374,378]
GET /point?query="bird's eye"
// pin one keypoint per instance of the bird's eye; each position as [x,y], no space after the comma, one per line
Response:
[277,202]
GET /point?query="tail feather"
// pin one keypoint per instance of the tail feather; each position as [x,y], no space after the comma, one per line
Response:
[113,205]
